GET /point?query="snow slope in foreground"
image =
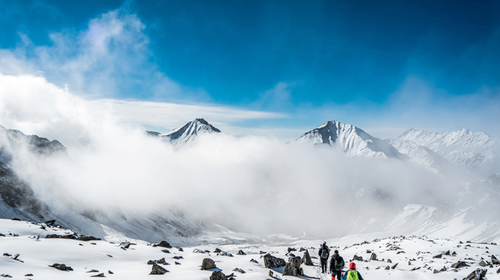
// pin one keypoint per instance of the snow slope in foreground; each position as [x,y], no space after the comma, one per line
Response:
[415,257]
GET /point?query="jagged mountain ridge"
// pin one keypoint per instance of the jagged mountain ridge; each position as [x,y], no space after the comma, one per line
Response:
[18,200]
[187,132]
[351,139]
[470,150]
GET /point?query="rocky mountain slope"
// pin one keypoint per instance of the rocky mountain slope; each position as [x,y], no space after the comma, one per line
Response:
[187,132]
[436,151]
[351,139]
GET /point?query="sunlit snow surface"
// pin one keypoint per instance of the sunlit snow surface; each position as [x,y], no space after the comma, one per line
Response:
[36,255]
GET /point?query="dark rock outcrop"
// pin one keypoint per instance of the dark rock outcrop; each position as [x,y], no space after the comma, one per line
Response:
[373,257]
[208,264]
[164,244]
[478,274]
[158,270]
[459,264]
[494,260]
[306,259]
[61,266]
[273,262]
[293,268]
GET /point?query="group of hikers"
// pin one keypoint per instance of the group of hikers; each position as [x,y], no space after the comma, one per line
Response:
[337,265]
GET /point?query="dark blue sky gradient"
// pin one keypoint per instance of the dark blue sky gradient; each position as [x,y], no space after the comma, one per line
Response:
[328,52]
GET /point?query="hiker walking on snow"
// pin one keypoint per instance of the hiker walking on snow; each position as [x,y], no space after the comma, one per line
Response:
[336,265]
[324,253]
[352,273]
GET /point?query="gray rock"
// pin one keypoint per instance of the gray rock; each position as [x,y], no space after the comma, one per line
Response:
[241,253]
[478,274]
[273,262]
[98,275]
[483,263]
[208,264]
[357,258]
[61,266]
[254,261]
[459,264]
[239,270]
[292,268]
[164,244]
[394,266]
[494,260]
[218,275]
[387,268]
[373,257]
[438,256]
[306,259]
[158,270]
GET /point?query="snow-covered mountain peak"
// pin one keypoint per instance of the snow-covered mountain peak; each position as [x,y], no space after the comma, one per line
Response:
[464,147]
[351,139]
[189,131]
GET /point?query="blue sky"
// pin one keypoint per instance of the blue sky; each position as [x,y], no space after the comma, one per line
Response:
[381,65]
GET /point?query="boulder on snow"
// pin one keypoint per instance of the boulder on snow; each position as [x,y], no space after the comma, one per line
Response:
[459,264]
[483,263]
[164,244]
[241,253]
[438,256]
[357,258]
[273,262]
[158,270]
[98,275]
[293,268]
[208,264]
[239,270]
[306,259]
[61,266]
[373,257]
[477,274]
[218,275]
[494,260]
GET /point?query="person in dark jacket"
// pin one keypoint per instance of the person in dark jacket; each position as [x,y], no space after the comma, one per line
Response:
[352,273]
[336,265]
[324,253]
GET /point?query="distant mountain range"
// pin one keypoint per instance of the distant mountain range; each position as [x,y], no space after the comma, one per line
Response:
[433,152]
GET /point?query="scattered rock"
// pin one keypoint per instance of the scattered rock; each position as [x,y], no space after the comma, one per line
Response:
[16,219]
[28,275]
[93,271]
[254,261]
[494,260]
[293,268]
[158,270]
[394,266]
[98,275]
[165,251]
[498,271]
[61,266]
[409,262]
[177,263]
[7,255]
[483,263]
[6,275]
[164,244]
[87,238]
[178,257]
[389,261]
[438,256]
[478,274]
[181,250]
[241,253]
[50,223]
[373,257]
[239,270]
[357,258]
[273,262]
[224,253]
[459,264]
[447,253]
[218,275]
[387,268]
[306,259]
[262,252]
[217,250]
[270,274]
[291,249]
[208,264]
[110,272]
[126,245]
[68,236]
[162,261]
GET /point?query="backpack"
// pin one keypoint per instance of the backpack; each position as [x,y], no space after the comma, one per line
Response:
[352,275]
[339,263]
[324,253]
